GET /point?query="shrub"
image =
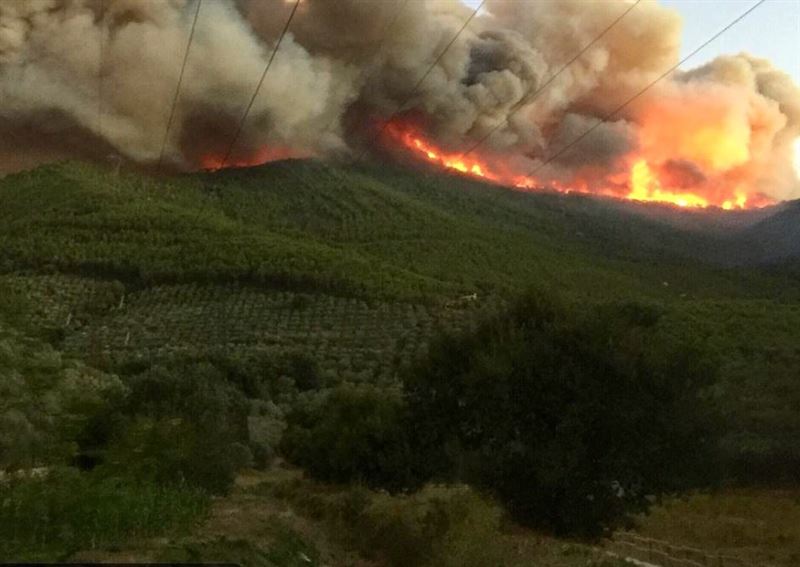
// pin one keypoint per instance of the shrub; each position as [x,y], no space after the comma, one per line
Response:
[305,372]
[573,419]
[263,454]
[435,526]
[180,424]
[15,308]
[174,452]
[196,392]
[46,400]
[351,433]
[438,525]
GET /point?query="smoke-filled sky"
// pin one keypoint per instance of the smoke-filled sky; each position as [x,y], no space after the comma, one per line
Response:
[771,32]
[96,78]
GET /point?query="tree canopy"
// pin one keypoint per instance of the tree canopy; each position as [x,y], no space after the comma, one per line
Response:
[572,419]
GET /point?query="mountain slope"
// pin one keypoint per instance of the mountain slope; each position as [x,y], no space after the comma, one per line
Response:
[775,239]
[366,230]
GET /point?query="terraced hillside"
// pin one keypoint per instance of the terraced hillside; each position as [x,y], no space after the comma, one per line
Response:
[360,340]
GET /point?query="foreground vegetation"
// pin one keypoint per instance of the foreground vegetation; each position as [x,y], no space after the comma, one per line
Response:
[572,420]
[65,511]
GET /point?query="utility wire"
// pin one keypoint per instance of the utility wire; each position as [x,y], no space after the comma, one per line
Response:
[531,96]
[642,91]
[421,80]
[178,87]
[258,87]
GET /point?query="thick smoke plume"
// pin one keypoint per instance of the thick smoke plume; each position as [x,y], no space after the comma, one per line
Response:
[96,78]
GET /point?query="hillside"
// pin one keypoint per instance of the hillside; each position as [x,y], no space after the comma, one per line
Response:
[776,239]
[354,230]
[315,275]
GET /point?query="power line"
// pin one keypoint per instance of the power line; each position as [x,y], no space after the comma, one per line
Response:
[530,97]
[422,79]
[645,89]
[258,87]
[178,87]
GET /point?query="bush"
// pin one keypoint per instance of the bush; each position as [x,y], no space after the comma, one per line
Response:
[175,452]
[263,454]
[573,419]
[437,525]
[351,433]
[305,372]
[15,308]
[46,400]
[196,392]
[179,424]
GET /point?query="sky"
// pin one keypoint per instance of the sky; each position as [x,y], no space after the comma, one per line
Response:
[772,31]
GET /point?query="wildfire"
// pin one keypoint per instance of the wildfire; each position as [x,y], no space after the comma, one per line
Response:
[643,182]
[645,186]
[261,156]
[427,150]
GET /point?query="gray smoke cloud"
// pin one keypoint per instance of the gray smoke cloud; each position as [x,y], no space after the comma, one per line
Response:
[91,78]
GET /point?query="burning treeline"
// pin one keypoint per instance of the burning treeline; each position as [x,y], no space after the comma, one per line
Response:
[97,77]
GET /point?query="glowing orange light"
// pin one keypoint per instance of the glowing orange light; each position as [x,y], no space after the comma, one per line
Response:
[640,182]
[259,157]
[645,186]
[454,161]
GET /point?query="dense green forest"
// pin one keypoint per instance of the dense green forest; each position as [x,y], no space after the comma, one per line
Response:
[160,334]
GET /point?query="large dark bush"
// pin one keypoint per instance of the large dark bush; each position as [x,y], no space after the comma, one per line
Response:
[179,424]
[175,453]
[573,418]
[351,433]
[195,391]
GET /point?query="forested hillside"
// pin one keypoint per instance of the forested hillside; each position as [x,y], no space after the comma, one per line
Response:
[379,232]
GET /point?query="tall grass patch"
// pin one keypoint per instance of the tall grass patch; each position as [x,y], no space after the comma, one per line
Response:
[439,525]
[53,516]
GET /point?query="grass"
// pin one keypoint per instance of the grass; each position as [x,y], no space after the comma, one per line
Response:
[278,518]
[286,548]
[761,527]
[51,517]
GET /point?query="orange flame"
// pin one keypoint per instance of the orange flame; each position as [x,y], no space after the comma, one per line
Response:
[261,156]
[455,161]
[645,186]
[642,182]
